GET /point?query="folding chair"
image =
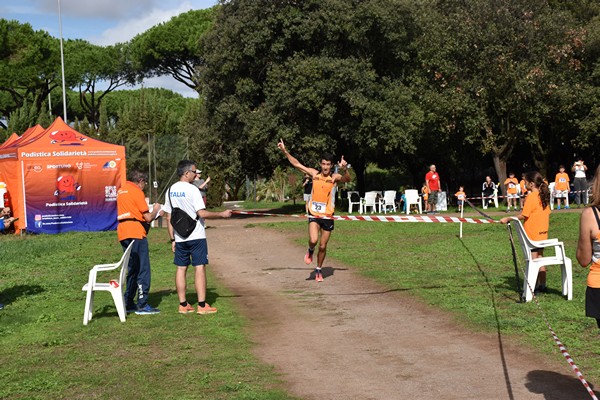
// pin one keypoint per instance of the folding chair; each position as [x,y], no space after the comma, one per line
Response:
[115,287]
[533,265]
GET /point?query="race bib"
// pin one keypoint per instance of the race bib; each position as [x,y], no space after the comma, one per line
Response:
[318,207]
[562,180]
[511,185]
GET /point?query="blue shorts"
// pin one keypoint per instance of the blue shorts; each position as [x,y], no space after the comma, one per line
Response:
[193,251]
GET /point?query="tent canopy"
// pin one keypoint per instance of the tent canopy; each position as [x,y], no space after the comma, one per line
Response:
[60,180]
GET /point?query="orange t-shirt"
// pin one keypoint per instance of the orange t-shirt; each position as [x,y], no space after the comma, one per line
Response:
[537,219]
[511,185]
[593,279]
[561,181]
[425,192]
[131,203]
[523,187]
[321,204]
[460,195]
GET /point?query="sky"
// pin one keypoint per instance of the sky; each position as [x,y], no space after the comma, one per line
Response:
[103,22]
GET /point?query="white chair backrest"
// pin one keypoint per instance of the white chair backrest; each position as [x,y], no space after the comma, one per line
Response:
[389,196]
[411,195]
[524,240]
[354,197]
[370,197]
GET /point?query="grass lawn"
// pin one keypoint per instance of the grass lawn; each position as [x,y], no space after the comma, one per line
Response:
[48,353]
[473,278]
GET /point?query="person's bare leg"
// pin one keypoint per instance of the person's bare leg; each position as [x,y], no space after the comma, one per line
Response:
[313,235]
[200,282]
[180,283]
[325,235]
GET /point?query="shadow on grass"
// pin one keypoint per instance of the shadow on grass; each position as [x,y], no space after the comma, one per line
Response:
[11,294]
[499,334]
[511,283]
[553,385]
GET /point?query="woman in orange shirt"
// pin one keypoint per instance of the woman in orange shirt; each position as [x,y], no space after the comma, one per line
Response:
[588,250]
[536,218]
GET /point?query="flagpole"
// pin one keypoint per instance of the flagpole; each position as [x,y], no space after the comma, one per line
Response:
[62,63]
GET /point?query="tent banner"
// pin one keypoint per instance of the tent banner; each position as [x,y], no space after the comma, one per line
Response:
[70,194]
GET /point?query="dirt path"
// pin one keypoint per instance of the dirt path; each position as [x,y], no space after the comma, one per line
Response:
[348,338]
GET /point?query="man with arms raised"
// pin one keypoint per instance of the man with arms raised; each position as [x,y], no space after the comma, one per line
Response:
[321,203]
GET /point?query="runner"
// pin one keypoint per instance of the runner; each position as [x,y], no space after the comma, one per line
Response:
[320,204]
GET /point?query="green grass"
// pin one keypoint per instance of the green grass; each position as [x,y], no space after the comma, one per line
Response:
[48,353]
[472,278]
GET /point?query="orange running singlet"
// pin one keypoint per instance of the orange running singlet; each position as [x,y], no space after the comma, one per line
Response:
[321,204]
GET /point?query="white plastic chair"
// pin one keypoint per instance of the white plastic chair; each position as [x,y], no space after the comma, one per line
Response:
[354,199]
[485,200]
[389,200]
[115,287]
[412,198]
[371,200]
[533,265]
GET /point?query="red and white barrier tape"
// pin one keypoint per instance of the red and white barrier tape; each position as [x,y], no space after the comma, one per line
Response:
[379,218]
[519,195]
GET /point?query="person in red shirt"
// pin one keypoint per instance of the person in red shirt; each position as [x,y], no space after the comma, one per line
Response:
[561,187]
[432,179]
[133,215]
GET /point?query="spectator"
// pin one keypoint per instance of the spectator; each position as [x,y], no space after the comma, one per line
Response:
[6,224]
[523,190]
[580,181]
[512,193]
[134,218]
[588,250]
[536,218]
[432,180]
[307,185]
[192,249]
[488,189]
[202,185]
[561,187]
[425,194]
[460,197]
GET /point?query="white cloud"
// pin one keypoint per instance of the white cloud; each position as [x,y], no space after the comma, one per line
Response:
[109,9]
[125,30]
[168,82]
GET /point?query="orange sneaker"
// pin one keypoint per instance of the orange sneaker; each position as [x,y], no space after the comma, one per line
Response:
[308,258]
[318,276]
[207,309]
[187,309]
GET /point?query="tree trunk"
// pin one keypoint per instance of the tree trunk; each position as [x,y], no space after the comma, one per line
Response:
[500,166]
[359,169]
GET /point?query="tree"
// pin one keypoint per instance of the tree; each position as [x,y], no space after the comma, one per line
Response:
[325,75]
[495,72]
[172,48]
[88,65]
[29,66]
